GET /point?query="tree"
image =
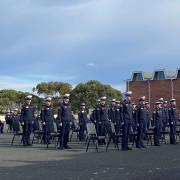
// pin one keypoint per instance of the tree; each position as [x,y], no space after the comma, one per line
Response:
[10,99]
[91,91]
[52,88]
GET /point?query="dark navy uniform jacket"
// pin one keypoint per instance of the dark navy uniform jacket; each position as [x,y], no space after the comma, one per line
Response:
[15,122]
[27,114]
[165,115]
[95,114]
[173,116]
[64,113]
[127,112]
[103,113]
[47,114]
[118,115]
[82,116]
[157,118]
[141,115]
[111,114]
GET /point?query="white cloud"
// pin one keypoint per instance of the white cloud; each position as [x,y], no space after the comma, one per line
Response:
[93,65]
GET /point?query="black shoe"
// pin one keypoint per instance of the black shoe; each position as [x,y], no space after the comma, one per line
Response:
[67,147]
[124,149]
[157,144]
[143,146]
[129,149]
[61,148]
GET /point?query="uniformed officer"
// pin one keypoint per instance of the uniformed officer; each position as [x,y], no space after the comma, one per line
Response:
[47,118]
[134,125]
[141,117]
[65,118]
[27,116]
[111,111]
[165,115]
[118,117]
[95,117]
[8,119]
[157,118]
[102,118]
[83,119]
[173,117]
[149,115]
[16,120]
[127,120]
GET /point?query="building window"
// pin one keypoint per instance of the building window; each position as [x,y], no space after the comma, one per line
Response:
[159,75]
[137,77]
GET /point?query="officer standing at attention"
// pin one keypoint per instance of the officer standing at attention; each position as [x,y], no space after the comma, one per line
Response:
[157,118]
[65,118]
[173,117]
[47,118]
[27,117]
[118,117]
[149,115]
[8,120]
[134,124]
[141,116]
[127,121]
[165,115]
[103,118]
[94,116]
[16,121]
[82,116]
[111,111]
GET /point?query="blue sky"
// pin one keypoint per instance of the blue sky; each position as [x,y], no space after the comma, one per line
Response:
[79,40]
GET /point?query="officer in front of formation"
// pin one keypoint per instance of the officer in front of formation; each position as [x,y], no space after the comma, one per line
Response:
[118,117]
[83,119]
[173,117]
[27,117]
[127,121]
[65,118]
[141,117]
[47,119]
[157,122]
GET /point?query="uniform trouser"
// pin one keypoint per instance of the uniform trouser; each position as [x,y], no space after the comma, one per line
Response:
[81,132]
[140,135]
[65,134]
[173,134]
[1,127]
[157,135]
[106,128]
[26,133]
[98,128]
[118,128]
[125,135]
[164,126]
[48,128]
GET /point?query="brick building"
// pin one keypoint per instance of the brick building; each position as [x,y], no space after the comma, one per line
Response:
[160,83]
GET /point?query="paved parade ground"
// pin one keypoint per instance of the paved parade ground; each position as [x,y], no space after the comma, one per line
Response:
[37,162]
